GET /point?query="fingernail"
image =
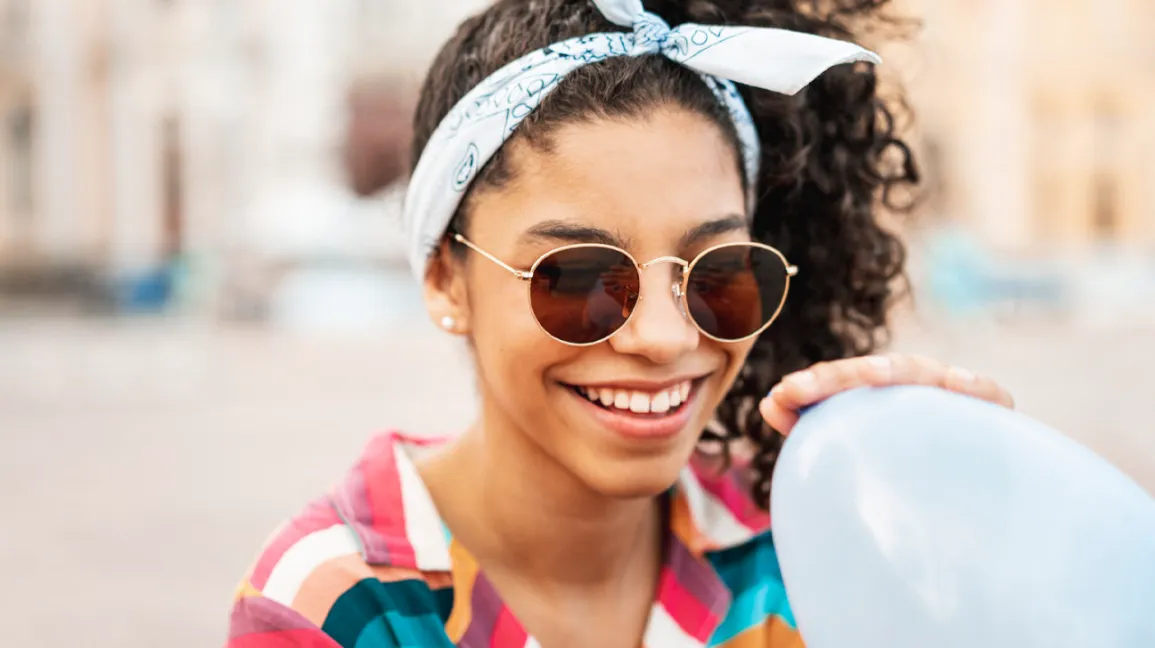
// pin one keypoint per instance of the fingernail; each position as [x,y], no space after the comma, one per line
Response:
[882,365]
[962,374]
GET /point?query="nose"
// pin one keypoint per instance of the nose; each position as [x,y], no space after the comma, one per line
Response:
[658,329]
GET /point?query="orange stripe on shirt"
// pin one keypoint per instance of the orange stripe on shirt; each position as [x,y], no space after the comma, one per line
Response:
[464,576]
[773,633]
[245,590]
[682,525]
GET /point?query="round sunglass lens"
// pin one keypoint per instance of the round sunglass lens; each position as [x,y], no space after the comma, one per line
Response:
[582,294]
[735,291]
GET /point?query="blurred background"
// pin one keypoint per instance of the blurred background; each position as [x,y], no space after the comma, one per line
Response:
[204,312]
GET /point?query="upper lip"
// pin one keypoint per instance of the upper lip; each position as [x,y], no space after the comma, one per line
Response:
[640,384]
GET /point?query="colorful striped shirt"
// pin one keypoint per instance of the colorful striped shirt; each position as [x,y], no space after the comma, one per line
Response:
[371,565]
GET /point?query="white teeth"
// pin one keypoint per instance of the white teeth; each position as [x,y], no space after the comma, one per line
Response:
[606,396]
[622,399]
[660,403]
[637,401]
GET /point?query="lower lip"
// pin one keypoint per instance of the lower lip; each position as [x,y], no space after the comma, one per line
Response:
[636,426]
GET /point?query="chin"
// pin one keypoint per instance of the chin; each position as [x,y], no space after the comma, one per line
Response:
[634,478]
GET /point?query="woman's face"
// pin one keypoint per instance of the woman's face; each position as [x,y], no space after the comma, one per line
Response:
[666,185]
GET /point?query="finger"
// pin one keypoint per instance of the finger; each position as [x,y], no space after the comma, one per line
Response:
[826,379]
[803,387]
[795,391]
[965,382]
[781,408]
[776,416]
[920,370]
[1006,398]
[930,372]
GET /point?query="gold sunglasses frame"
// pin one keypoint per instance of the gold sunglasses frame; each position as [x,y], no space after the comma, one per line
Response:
[678,288]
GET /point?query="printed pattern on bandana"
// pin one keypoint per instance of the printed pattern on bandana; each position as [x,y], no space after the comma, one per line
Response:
[509,96]
[772,59]
[315,585]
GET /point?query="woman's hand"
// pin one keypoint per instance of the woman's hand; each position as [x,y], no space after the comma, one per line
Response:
[825,379]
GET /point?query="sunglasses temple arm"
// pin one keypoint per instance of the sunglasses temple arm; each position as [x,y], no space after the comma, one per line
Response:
[525,275]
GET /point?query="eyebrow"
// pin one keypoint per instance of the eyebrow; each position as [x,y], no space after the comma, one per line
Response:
[710,229]
[556,230]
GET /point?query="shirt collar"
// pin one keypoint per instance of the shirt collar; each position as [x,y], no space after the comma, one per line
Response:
[387,505]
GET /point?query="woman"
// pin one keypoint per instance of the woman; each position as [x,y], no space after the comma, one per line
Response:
[591,155]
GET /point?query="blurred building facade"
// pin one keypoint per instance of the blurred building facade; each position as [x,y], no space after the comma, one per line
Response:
[1039,120]
[135,134]
[139,131]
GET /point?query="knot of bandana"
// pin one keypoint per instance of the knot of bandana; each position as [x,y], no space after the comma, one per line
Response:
[651,34]
[472,132]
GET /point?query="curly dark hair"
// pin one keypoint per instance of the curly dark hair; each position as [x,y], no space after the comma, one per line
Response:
[831,162]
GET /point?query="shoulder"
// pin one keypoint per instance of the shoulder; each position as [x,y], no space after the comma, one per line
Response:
[312,548]
[313,576]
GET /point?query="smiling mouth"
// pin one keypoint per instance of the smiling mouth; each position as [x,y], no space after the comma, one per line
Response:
[663,402]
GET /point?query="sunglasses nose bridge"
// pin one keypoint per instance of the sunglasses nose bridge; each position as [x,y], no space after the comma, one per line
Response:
[682,264]
[678,280]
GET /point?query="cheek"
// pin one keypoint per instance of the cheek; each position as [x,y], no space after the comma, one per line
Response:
[736,355]
[512,352]
[498,308]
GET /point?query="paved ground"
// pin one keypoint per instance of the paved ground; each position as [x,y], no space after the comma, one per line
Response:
[142,464]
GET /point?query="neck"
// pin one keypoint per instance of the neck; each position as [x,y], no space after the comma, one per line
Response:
[538,518]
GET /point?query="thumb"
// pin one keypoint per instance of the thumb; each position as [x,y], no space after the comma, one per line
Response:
[777,415]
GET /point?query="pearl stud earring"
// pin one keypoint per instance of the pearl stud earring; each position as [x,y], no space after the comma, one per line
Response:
[448,323]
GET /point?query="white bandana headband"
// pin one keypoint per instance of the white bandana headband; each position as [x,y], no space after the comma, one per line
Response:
[473,131]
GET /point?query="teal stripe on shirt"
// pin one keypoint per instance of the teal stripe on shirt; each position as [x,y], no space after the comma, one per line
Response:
[376,635]
[353,612]
[375,614]
[752,574]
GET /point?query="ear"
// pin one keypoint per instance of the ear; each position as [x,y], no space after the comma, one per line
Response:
[446,298]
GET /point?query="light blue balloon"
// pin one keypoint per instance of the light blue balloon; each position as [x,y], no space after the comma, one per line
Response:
[912,517]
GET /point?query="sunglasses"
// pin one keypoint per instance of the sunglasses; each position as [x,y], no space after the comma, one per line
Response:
[582,294]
